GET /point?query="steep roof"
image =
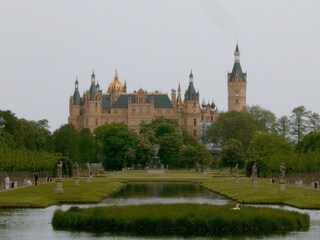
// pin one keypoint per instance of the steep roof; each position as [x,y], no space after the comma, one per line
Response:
[160,101]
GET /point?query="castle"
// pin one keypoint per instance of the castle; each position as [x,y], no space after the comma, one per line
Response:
[116,105]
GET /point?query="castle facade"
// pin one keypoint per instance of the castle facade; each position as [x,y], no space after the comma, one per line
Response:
[96,107]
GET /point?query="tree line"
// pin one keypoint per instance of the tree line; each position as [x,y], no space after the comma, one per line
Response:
[256,135]
[252,135]
[29,145]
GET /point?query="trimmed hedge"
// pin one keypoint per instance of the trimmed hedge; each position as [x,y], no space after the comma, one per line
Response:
[178,219]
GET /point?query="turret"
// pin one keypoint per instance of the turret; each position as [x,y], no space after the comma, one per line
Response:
[76,94]
[237,85]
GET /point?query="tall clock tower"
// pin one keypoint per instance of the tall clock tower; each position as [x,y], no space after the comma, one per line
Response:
[237,85]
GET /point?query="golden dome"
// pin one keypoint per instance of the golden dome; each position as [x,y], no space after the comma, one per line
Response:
[115,85]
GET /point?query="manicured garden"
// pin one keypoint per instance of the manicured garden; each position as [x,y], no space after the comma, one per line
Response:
[178,219]
[264,193]
[43,195]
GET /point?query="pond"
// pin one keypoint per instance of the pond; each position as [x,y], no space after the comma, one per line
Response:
[35,223]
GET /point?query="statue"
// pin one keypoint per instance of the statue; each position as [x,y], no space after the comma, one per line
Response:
[59,188]
[254,171]
[59,172]
[282,170]
[88,168]
[237,168]
[155,150]
[76,169]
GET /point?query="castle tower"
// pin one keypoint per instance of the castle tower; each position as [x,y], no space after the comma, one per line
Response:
[191,110]
[237,85]
[75,106]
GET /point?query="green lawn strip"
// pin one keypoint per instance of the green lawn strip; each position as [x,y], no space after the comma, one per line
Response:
[169,175]
[43,195]
[178,219]
[265,193]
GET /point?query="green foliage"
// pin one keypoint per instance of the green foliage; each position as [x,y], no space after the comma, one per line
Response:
[32,135]
[25,160]
[232,154]
[310,143]
[264,119]
[178,219]
[232,125]
[65,140]
[115,140]
[87,147]
[299,123]
[269,150]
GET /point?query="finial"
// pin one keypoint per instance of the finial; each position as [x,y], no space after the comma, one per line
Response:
[116,74]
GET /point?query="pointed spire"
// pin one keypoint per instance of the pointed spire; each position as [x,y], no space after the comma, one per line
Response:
[179,88]
[203,103]
[93,77]
[191,77]
[237,54]
[125,86]
[76,83]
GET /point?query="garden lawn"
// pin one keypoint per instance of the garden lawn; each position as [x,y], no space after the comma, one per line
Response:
[43,195]
[265,193]
[179,219]
[169,175]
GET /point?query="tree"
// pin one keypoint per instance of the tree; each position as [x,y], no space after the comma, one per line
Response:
[65,140]
[115,140]
[232,154]
[144,152]
[310,143]
[299,123]
[240,126]
[283,126]
[170,145]
[269,150]
[314,122]
[264,119]
[188,157]
[87,147]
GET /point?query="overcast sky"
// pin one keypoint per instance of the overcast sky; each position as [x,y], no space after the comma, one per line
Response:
[45,45]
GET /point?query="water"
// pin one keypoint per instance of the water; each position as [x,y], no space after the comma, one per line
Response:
[36,223]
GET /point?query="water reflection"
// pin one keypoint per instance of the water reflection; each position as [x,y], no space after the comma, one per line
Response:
[36,223]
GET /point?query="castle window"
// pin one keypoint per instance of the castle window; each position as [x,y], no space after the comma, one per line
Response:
[97,122]
[148,109]
[87,122]
[140,109]
[211,119]
[195,122]
[140,99]
[133,109]
[237,93]
[237,101]
[202,118]
[194,133]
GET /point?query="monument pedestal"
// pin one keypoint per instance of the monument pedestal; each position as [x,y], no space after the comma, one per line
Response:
[76,181]
[254,182]
[88,179]
[237,179]
[59,188]
[282,186]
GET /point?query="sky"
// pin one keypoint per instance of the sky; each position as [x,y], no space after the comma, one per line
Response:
[154,44]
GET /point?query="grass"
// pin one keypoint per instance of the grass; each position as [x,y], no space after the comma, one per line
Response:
[43,195]
[265,193]
[217,181]
[169,175]
[178,219]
